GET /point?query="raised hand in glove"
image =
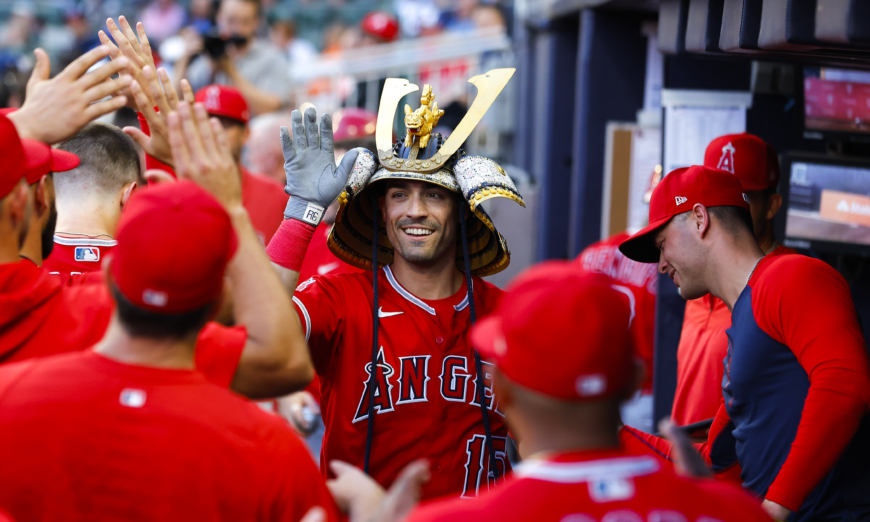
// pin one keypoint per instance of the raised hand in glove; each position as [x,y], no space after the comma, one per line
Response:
[313,180]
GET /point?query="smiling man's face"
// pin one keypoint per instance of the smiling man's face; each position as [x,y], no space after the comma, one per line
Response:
[422,220]
[680,256]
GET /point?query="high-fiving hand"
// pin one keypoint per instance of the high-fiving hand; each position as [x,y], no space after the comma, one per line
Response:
[57,108]
[202,154]
[313,180]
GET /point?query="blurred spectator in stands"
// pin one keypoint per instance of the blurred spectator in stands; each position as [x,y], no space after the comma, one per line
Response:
[487,17]
[163,18]
[312,17]
[460,17]
[256,68]
[20,32]
[378,27]
[282,34]
[84,38]
[201,16]
[417,17]
[263,152]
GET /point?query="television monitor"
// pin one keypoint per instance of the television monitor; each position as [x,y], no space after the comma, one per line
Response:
[837,100]
[827,204]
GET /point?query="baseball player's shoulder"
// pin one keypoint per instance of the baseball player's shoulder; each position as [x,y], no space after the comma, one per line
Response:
[507,502]
[793,273]
[345,281]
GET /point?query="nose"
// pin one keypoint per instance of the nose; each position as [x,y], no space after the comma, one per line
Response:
[417,207]
[663,265]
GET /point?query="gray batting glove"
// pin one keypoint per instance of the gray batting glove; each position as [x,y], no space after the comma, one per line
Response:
[313,180]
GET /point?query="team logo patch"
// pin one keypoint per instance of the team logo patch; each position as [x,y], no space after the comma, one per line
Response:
[154,297]
[680,200]
[726,162]
[87,253]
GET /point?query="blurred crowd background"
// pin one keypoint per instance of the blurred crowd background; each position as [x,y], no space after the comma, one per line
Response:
[287,54]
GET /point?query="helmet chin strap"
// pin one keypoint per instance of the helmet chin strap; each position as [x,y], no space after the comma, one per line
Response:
[370,423]
[478,365]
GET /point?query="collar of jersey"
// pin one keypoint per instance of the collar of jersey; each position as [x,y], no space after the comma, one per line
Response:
[86,241]
[416,300]
[583,471]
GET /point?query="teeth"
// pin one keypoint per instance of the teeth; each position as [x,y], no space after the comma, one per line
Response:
[418,232]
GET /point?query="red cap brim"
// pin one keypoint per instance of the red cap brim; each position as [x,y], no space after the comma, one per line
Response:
[641,246]
[487,337]
[62,160]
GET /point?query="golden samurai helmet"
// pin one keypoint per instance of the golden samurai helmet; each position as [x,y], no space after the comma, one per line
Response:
[426,156]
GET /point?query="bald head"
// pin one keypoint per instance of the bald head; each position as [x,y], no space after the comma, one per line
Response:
[109,162]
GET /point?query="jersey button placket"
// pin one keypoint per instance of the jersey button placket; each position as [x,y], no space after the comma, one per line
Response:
[439,340]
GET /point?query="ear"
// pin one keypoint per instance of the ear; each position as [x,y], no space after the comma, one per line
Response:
[40,203]
[127,192]
[773,205]
[700,219]
[18,201]
[407,109]
[502,390]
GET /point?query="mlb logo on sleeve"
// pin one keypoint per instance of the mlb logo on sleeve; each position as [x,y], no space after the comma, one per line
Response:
[87,253]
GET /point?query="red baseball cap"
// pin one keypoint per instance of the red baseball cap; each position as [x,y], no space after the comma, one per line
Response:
[561,332]
[381,25]
[174,243]
[678,192]
[42,159]
[223,100]
[353,124]
[754,162]
[12,157]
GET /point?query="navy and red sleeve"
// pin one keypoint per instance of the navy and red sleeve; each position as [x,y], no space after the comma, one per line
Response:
[806,305]
[218,352]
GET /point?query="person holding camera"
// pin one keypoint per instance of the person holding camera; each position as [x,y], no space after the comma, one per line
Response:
[233,56]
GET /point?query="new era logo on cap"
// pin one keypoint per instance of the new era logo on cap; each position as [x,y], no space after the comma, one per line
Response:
[745,197]
[591,385]
[680,200]
[155,298]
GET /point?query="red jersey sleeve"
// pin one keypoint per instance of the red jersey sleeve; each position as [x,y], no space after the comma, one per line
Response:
[319,301]
[218,350]
[150,161]
[807,306]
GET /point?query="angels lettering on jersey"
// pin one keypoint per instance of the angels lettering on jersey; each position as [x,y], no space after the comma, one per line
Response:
[412,384]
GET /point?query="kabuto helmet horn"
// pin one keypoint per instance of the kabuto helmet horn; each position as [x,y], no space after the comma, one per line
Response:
[359,235]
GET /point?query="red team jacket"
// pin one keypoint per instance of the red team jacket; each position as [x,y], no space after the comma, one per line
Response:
[592,486]
[426,392]
[703,346]
[40,316]
[142,444]
[639,280]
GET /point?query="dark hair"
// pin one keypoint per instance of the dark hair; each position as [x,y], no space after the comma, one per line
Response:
[109,160]
[733,219]
[141,323]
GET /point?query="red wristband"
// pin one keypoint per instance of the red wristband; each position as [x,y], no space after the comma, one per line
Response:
[288,245]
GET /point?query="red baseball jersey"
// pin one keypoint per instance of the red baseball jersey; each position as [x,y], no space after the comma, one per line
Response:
[84,437]
[426,396]
[77,255]
[638,281]
[319,260]
[703,346]
[592,486]
[265,200]
[40,316]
